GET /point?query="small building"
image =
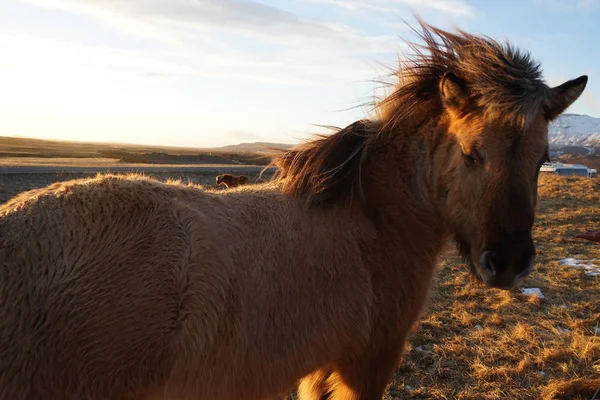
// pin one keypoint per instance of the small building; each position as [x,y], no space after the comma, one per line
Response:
[568,169]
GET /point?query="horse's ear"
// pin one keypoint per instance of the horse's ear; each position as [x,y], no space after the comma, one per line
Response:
[454,92]
[564,95]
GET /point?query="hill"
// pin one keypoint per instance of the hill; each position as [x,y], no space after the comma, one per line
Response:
[14,149]
[257,147]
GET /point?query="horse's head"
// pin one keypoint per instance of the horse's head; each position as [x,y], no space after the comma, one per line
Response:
[226,179]
[490,189]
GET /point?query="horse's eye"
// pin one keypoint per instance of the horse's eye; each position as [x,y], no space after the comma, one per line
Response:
[469,160]
[474,158]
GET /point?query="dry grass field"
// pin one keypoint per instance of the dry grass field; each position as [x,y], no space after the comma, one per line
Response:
[478,343]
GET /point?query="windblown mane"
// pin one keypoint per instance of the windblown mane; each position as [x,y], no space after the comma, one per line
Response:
[505,84]
[328,168]
[503,81]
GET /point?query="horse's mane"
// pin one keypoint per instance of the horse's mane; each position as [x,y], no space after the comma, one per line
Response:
[505,84]
[327,168]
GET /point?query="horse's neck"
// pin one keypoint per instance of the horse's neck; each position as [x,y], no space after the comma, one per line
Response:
[400,172]
[402,188]
[408,234]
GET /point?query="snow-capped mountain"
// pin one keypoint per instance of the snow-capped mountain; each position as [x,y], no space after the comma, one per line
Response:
[574,130]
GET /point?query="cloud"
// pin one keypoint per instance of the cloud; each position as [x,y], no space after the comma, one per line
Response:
[166,17]
[239,39]
[36,55]
[451,7]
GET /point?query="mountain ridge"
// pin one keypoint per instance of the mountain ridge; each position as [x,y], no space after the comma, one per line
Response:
[571,129]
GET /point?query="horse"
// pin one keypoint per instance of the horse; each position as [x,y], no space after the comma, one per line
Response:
[591,236]
[123,287]
[231,181]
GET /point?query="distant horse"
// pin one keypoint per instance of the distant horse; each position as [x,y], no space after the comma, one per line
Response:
[127,288]
[231,181]
[591,236]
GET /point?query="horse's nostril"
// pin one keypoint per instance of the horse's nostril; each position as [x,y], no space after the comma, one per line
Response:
[487,261]
[528,268]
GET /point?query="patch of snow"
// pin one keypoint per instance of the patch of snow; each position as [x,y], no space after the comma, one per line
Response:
[532,291]
[596,330]
[563,330]
[542,373]
[574,130]
[590,266]
[423,349]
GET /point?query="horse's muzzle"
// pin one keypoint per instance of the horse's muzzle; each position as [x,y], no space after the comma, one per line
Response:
[502,272]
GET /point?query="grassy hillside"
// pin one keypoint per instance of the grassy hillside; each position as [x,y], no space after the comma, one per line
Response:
[13,149]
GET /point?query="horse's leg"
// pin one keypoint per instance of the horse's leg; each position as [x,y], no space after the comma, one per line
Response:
[362,379]
[314,385]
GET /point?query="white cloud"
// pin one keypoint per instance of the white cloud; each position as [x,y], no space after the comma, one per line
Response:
[33,56]
[209,39]
[167,17]
[451,7]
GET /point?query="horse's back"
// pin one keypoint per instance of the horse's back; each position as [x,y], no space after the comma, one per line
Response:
[91,286]
[133,288]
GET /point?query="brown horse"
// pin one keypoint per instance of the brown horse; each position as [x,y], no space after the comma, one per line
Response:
[127,288]
[231,181]
[591,236]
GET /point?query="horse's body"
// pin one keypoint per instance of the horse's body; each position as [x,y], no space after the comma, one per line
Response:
[190,291]
[126,288]
[231,181]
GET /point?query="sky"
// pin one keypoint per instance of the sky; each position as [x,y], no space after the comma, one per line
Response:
[207,73]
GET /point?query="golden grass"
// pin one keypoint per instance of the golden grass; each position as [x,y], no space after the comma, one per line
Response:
[479,343]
